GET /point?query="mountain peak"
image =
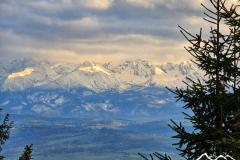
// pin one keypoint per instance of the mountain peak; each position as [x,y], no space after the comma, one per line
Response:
[94,69]
[23,73]
[159,71]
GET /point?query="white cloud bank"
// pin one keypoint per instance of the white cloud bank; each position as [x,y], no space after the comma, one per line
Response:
[77,30]
[110,48]
[56,5]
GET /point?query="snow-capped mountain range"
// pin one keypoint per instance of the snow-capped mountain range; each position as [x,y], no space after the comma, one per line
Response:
[134,89]
[23,74]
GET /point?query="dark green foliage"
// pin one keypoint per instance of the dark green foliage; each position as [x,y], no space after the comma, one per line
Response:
[4,132]
[214,99]
[5,128]
[27,154]
[154,156]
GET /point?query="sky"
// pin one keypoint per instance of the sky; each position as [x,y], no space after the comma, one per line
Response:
[97,30]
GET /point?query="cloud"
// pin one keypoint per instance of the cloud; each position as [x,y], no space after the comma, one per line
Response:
[173,4]
[50,6]
[111,48]
[142,3]
[85,23]
[58,5]
[98,4]
[101,30]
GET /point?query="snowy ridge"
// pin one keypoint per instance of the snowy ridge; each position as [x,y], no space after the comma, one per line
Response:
[94,68]
[23,74]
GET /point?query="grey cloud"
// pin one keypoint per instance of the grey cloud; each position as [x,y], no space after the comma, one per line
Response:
[50,24]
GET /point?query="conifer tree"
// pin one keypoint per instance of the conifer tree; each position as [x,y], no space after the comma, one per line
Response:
[215,99]
[27,154]
[5,127]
